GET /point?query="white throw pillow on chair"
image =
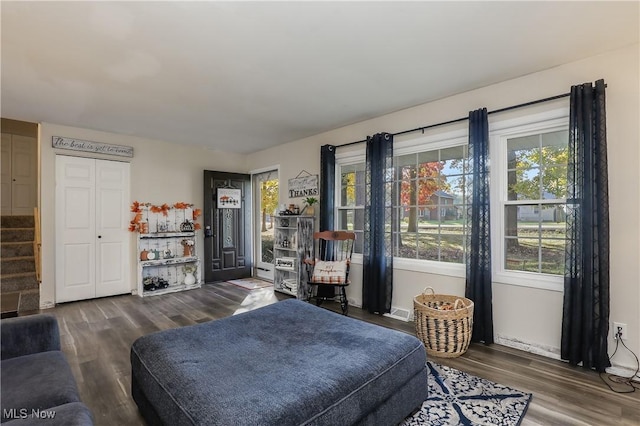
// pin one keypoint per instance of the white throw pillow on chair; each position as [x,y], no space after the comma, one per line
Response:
[330,272]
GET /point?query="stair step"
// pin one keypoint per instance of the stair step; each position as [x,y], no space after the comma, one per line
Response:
[18,282]
[11,235]
[15,265]
[17,222]
[29,301]
[16,249]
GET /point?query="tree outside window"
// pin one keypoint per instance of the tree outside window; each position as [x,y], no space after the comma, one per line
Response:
[431,205]
[535,209]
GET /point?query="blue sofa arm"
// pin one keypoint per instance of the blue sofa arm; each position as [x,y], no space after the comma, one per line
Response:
[28,335]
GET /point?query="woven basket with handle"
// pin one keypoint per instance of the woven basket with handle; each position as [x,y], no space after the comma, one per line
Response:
[443,322]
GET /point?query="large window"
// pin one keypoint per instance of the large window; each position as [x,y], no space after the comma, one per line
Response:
[430,204]
[529,185]
[431,194]
[534,211]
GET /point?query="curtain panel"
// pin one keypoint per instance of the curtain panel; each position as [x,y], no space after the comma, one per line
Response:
[585,317]
[478,264]
[327,187]
[377,283]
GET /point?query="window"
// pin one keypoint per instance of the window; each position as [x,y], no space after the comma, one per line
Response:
[350,210]
[529,170]
[430,204]
[431,180]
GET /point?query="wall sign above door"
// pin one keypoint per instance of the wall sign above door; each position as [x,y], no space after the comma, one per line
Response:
[88,146]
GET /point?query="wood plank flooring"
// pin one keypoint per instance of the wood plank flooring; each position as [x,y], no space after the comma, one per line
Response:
[97,335]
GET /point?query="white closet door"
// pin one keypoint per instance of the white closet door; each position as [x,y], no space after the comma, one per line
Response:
[24,174]
[112,211]
[19,174]
[5,168]
[92,239]
[75,228]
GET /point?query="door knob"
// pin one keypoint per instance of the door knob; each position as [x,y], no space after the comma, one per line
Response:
[99,236]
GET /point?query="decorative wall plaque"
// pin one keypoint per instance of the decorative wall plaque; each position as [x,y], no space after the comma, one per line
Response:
[89,146]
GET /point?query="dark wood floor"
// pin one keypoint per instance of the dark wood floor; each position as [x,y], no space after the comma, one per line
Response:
[97,336]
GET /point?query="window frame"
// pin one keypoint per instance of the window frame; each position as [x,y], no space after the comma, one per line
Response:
[414,146]
[346,159]
[404,147]
[499,133]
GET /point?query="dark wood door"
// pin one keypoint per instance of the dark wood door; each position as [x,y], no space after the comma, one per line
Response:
[227,227]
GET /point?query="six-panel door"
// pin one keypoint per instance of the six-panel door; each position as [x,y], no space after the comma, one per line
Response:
[92,244]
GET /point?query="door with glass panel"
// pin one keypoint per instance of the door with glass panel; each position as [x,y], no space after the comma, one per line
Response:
[266,191]
[227,235]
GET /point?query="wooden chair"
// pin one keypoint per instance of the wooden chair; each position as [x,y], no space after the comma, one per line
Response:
[328,267]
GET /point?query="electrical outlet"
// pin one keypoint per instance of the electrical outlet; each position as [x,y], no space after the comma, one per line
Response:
[623,329]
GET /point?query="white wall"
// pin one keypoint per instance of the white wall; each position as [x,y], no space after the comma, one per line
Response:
[161,172]
[527,315]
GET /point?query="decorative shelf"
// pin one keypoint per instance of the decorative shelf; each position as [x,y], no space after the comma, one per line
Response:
[171,289]
[172,261]
[167,235]
[293,237]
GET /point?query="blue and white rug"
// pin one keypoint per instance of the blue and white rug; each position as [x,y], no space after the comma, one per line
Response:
[458,398]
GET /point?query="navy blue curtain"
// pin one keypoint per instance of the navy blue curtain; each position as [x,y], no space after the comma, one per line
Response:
[327,204]
[478,282]
[327,186]
[377,282]
[585,316]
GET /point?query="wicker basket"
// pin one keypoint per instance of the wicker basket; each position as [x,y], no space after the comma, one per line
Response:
[445,333]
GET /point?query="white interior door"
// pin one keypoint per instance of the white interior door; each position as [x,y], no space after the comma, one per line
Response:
[19,174]
[24,173]
[75,229]
[92,244]
[112,198]
[5,190]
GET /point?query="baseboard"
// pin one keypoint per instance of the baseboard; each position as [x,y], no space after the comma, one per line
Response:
[554,353]
[47,304]
[623,372]
[534,348]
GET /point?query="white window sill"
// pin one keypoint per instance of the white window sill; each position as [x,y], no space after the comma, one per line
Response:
[424,266]
[530,279]
[523,279]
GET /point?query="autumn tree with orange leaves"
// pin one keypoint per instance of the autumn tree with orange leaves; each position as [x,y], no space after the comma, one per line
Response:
[419,183]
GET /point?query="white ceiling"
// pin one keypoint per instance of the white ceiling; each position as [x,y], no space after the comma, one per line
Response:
[244,76]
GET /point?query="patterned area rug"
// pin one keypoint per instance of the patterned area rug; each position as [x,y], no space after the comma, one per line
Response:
[458,398]
[251,283]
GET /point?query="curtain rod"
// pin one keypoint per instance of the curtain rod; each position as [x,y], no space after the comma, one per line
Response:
[457,120]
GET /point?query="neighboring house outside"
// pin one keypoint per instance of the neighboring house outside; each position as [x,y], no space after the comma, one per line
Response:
[440,208]
[534,213]
[546,213]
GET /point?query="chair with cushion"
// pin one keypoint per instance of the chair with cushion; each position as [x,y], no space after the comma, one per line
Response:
[328,268]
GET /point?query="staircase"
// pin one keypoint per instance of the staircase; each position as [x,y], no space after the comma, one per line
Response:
[18,266]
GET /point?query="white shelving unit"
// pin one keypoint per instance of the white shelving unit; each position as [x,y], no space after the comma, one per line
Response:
[293,240]
[166,270]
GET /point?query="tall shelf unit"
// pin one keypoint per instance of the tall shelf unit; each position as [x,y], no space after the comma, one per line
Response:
[165,258]
[293,242]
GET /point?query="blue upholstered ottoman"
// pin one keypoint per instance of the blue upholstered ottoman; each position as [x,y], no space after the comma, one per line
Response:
[289,363]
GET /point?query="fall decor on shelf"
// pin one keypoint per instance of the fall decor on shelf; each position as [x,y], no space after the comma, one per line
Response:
[188,247]
[172,223]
